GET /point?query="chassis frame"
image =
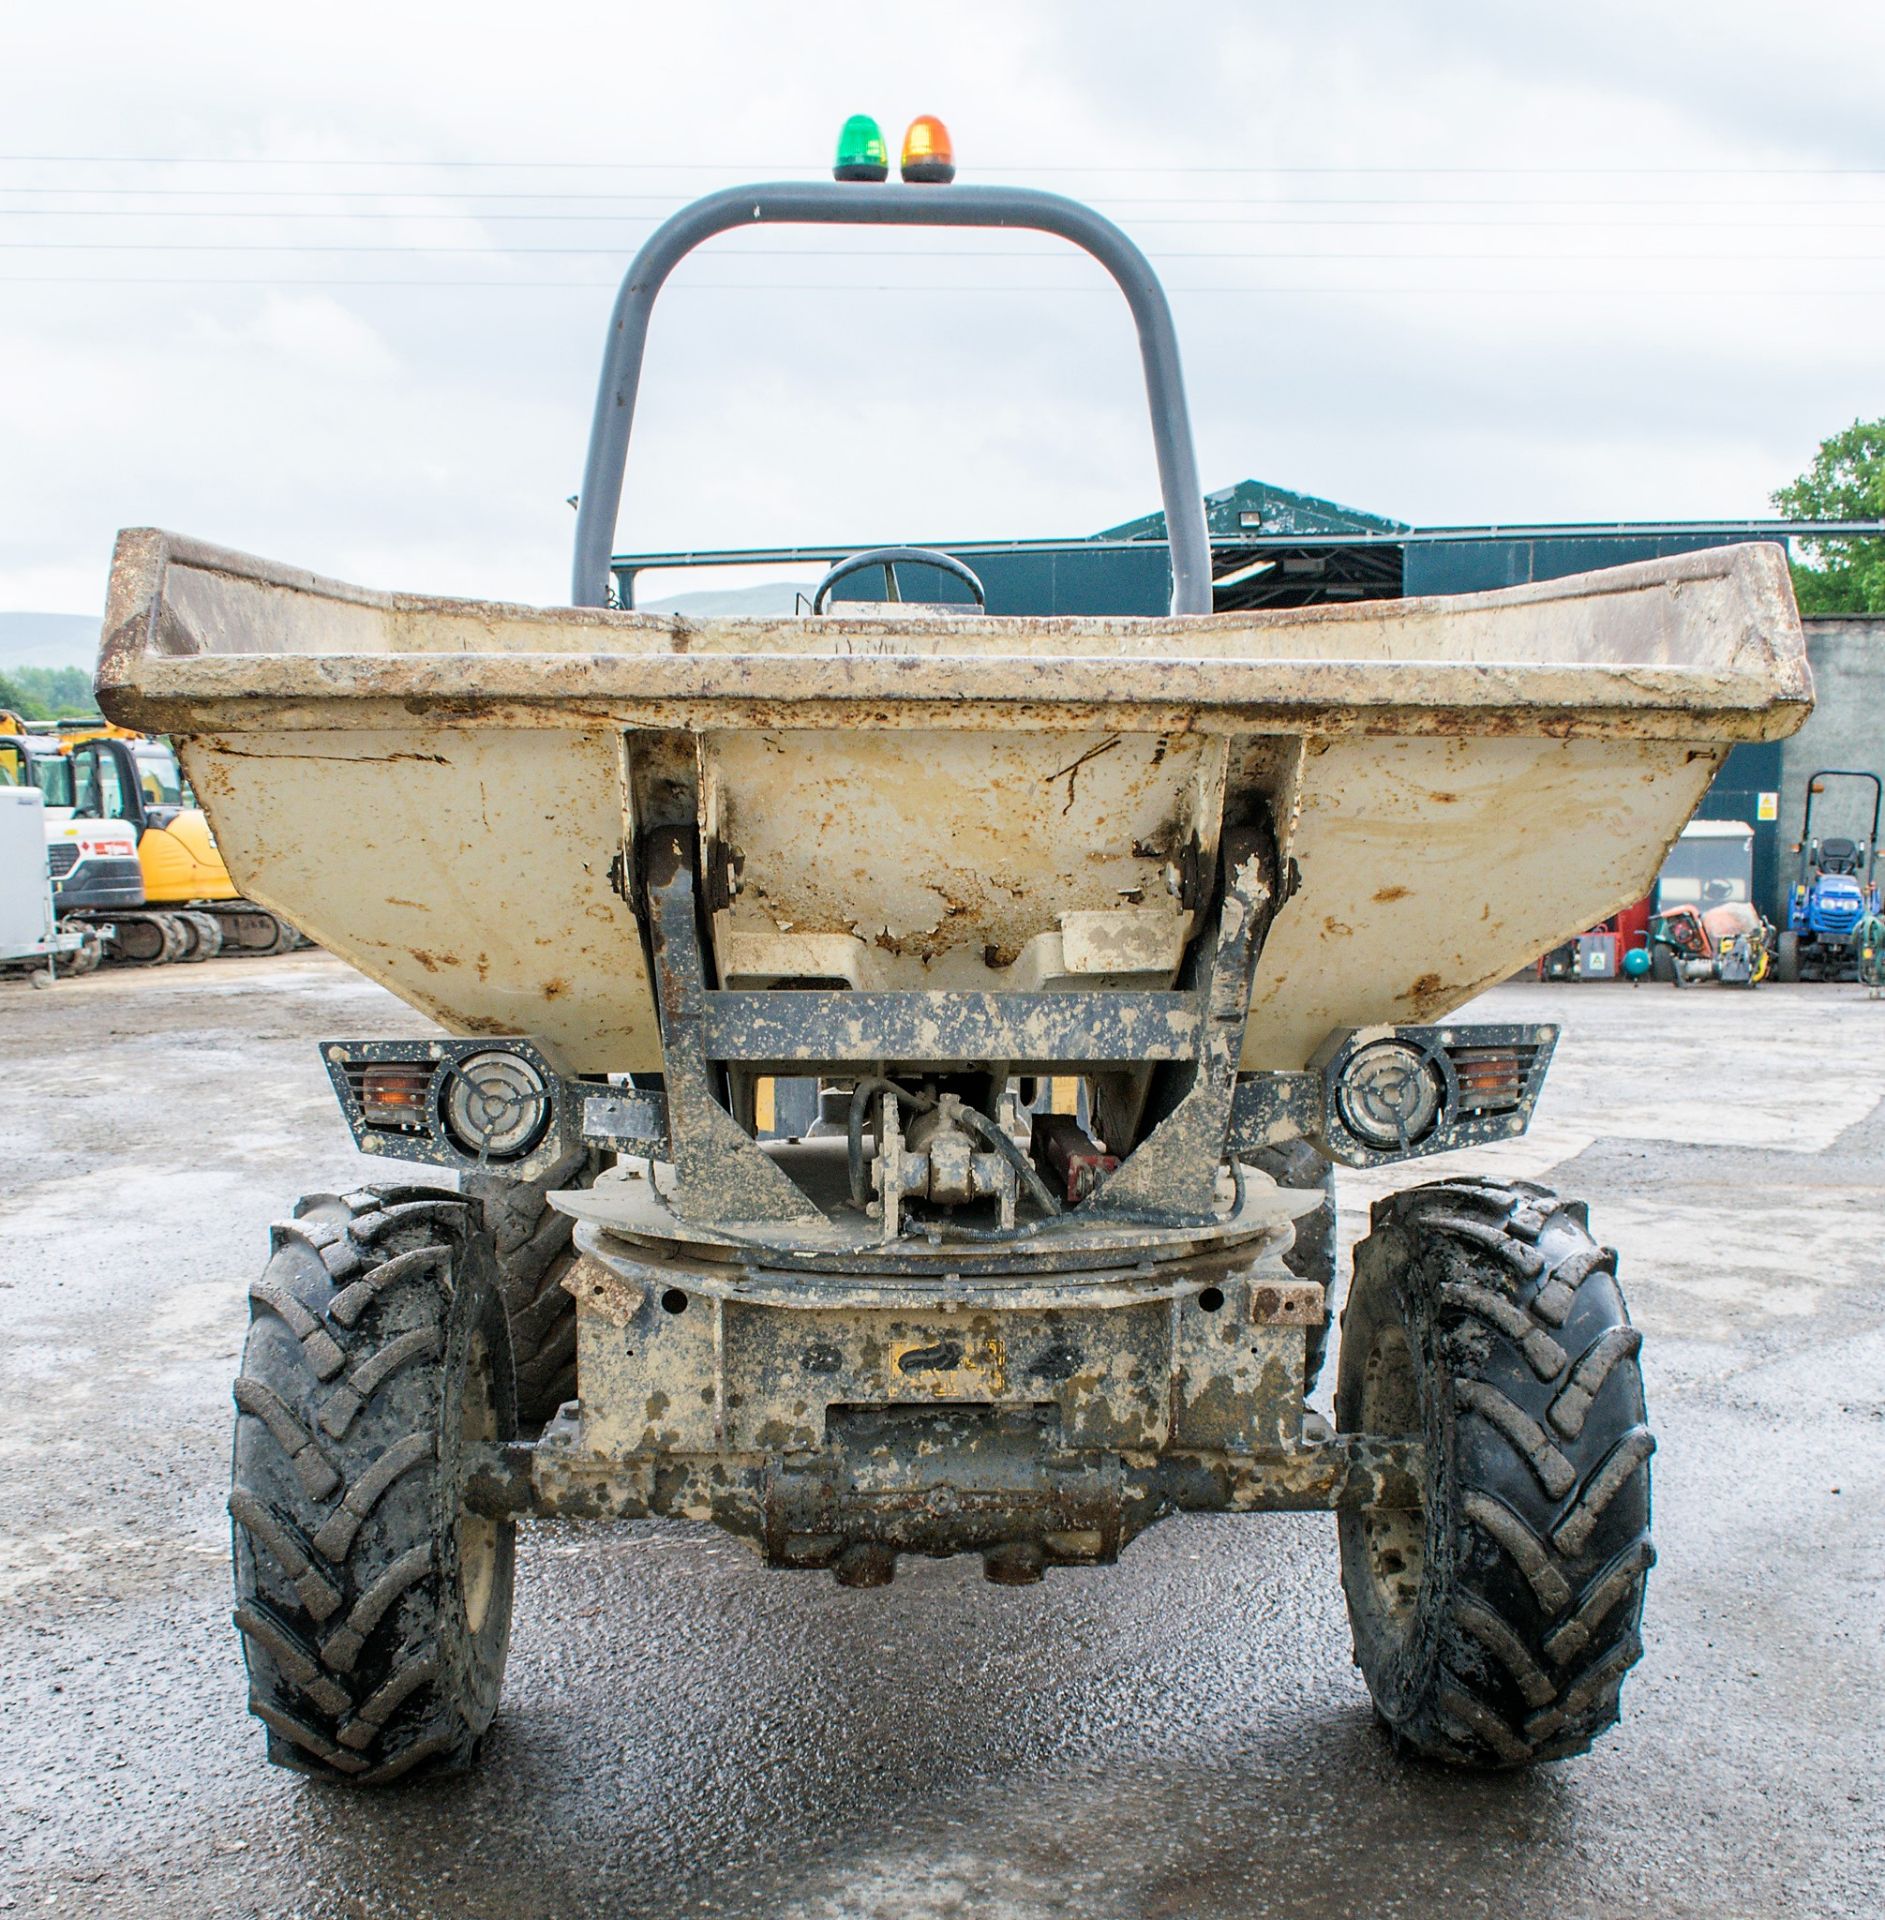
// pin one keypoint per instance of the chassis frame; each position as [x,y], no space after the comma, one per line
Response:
[750,1356]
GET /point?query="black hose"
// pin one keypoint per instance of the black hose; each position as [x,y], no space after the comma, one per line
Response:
[854,1130]
[998,1139]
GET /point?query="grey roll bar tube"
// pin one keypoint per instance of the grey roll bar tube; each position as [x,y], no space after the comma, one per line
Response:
[890,558]
[832,203]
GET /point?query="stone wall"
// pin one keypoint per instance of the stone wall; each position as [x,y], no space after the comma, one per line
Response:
[1847,729]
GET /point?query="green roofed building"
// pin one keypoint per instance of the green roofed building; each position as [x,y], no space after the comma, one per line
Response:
[1271,547]
[1254,506]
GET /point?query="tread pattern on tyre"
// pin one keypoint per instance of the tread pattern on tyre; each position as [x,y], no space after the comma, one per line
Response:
[1543,1473]
[342,1564]
[532,1241]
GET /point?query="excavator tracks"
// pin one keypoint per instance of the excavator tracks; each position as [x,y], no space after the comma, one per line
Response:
[205,930]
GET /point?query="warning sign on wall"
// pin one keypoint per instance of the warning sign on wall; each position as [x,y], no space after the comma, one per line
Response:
[1767,807]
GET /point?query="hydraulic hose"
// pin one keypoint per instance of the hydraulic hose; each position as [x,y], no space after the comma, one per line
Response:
[854,1129]
[980,1123]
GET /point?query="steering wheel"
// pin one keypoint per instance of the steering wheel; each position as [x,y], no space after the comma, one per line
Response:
[890,558]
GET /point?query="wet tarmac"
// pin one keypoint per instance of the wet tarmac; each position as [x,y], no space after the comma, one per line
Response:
[1183,1735]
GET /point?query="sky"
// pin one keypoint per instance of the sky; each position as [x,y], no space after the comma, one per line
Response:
[330,284]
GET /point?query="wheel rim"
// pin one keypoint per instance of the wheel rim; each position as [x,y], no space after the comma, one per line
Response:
[477,1535]
[1394,1539]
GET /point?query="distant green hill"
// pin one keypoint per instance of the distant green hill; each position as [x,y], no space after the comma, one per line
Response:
[770,596]
[46,662]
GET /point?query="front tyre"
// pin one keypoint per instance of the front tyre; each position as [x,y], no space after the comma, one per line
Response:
[1494,1626]
[531,1241]
[374,1606]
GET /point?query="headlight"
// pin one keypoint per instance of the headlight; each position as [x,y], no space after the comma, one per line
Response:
[1389,1095]
[496,1105]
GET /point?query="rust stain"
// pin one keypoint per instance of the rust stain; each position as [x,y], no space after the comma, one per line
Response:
[1385,894]
[555,989]
[432,962]
[1428,994]
[481,1023]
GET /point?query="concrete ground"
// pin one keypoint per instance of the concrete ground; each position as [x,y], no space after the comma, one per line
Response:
[1181,1735]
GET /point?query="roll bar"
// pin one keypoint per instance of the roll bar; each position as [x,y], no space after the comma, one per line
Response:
[831,203]
[1812,790]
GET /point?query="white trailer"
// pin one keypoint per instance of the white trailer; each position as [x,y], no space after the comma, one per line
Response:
[29,929]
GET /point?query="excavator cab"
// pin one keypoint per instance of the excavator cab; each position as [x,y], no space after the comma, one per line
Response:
[194,910]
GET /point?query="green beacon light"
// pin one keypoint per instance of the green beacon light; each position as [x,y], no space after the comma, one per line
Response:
[862,154]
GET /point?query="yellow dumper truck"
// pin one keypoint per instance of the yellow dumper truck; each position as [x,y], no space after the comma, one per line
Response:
[1236,872]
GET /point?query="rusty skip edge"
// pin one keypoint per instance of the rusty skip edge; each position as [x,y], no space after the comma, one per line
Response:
[159,673]
[1314,697]
[1755,578]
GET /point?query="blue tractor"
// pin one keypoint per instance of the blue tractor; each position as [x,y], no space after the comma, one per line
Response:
[1834,909]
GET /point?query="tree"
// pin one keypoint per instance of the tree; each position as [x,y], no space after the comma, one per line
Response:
[1845,482]
[47,693]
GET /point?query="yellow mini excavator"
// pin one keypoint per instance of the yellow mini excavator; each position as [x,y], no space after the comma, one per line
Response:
[191,905]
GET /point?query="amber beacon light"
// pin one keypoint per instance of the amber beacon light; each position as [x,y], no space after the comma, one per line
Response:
[929,158]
